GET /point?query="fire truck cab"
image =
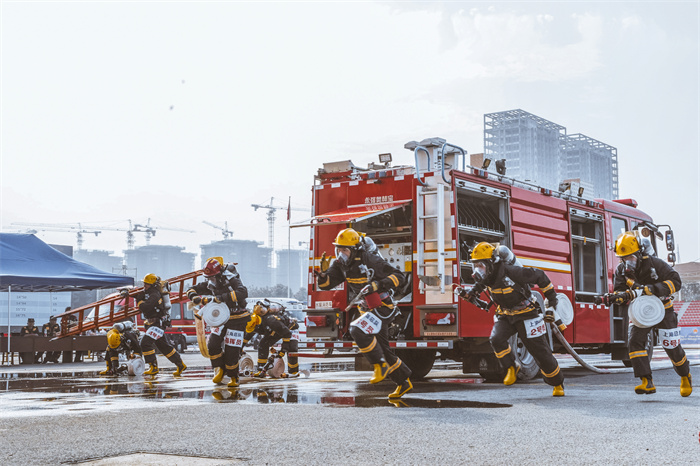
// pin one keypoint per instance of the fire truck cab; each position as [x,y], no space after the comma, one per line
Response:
[425,218]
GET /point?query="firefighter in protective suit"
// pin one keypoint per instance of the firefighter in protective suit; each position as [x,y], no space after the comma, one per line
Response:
[122,338]
[517,311]
[273,325]
[368,271]
[641,274]
[151,304]
[225,286]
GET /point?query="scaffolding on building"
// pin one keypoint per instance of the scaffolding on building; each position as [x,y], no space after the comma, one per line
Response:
[589,159]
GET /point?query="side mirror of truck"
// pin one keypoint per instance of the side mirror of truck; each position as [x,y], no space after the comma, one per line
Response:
[671,258]
[670,242]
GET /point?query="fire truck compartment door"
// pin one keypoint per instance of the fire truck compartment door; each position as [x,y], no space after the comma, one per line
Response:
[352,214]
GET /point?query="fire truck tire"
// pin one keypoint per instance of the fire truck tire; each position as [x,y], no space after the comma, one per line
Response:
[419,361]
[649,347]
[528,366]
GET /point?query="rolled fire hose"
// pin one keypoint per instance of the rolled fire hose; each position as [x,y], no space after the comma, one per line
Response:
[199,326]
[573,353]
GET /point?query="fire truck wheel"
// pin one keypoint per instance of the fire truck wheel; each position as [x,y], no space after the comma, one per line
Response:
[419,361]
[649,347]
[528,365]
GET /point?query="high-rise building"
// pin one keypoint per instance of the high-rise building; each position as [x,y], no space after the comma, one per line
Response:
[252,259]
[164,261]
[292,267]
[540,151]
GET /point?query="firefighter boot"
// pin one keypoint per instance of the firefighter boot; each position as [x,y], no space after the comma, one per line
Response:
[218,375]
[260,373]
[290,375]
[107,371]
[646,387]
[152,369]
[380,372]
[401,389]
[686,385]
[180,369]
[558,390]
[234,382]
[512,374]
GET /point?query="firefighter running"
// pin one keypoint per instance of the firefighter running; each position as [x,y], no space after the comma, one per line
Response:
[273,325]
[122,338]
[641,274]
[224,286]
[152,305]
[367,272]
[517,312]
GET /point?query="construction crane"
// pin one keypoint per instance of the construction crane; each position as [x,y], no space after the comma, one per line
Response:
[148,230]
[224,230]
[59,227]
[271,208]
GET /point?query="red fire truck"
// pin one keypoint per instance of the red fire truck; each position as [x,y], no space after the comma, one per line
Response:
[424,219]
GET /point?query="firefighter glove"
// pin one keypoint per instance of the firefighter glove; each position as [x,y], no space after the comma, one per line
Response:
[552,300]
[123,293]
[374,286]
[549,315]
[294,325]
[196,299]
[325,262]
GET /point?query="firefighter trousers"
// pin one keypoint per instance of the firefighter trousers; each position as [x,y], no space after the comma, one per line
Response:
[228,357]
[507,326]
[149,346]
[268,341]
[638,338]
[376,350]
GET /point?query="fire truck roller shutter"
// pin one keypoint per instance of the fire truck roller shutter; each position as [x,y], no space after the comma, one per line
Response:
[419,361]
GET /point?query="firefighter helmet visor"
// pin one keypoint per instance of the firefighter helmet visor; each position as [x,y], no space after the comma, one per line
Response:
[481,270]
[213,267]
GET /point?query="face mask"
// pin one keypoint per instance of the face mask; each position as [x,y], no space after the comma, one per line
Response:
[479,274]
[630,263]
[343,255]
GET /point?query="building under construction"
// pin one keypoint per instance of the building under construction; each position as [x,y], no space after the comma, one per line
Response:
[164,261]
[540,151]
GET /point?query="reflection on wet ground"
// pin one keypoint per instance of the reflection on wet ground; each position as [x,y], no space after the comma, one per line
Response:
[50,393]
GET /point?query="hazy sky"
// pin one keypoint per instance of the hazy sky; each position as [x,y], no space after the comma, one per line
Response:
[184,112]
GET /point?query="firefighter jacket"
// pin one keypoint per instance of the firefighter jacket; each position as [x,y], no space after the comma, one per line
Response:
[150,303]
[364,269]
[655,275]
[509,286]
[50,330]
[26,330]
[225,287]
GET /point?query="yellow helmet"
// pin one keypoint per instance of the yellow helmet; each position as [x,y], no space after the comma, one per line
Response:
[259,309]
[483,251]
[347,238]
[626,244]
[151,278]
[114,339]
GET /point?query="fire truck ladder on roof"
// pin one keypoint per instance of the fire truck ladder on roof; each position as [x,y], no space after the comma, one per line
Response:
[425,220]
[111,313]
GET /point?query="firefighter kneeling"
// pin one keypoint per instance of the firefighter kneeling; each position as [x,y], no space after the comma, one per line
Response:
[368,273]
[272,326]
[151,303]
[122,338]
[517,312]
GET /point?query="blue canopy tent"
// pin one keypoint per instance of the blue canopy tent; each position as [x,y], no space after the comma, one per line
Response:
[29,264]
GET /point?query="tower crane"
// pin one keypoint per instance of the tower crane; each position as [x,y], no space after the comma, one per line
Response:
[224,230]
[148,230]
[271,208]
[60,227]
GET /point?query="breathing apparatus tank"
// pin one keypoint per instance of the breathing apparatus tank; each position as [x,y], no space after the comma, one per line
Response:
[165,294]
[504,254]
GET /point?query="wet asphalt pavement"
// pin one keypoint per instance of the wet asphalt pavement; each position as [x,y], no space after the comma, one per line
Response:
[67,413]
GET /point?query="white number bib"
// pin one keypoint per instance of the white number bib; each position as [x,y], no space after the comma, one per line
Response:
[368,323]
[670,337]
[535,327]
[216,330]
[233,338]
[155,332]
[295,335]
